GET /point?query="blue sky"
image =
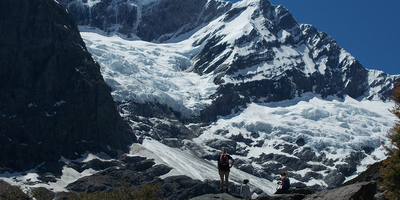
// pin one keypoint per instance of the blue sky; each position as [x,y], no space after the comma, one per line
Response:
[368,29]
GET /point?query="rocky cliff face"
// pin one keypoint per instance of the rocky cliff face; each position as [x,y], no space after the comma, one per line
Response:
[54,101]
[107,15]
[150,20]
[167,19]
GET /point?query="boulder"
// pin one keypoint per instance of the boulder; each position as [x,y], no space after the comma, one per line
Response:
[292,194]
[281,197]
[373,173]
[363,190]
[184,187]
[221,196]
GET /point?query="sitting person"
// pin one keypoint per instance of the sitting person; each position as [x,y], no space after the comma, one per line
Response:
[285,183]
[245,189]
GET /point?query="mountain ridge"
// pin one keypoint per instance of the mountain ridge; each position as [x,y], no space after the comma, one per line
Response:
[278,22]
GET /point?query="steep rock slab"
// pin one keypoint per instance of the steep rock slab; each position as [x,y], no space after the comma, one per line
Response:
[54,101]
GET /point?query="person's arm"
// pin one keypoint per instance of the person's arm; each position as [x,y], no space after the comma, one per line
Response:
[283,178]
[233,162]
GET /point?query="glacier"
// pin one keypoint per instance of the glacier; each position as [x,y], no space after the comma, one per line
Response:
[149,72]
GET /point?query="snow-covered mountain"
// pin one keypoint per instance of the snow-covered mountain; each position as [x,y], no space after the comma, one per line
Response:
[278,94]
[193,76]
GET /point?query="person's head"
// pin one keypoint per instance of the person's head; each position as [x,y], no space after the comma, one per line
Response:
[245,181]
[223,150]
[283,173]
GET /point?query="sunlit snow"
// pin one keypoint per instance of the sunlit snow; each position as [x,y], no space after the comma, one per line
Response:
[148,72]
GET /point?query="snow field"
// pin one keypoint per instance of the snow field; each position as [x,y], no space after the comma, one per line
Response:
[147,72]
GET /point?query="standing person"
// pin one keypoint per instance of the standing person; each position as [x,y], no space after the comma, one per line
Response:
[224,169]
[245,189]
[285,182]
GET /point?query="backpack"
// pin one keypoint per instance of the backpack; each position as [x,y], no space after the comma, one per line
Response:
[224,159]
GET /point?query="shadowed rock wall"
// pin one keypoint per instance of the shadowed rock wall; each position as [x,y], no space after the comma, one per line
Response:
[53,99]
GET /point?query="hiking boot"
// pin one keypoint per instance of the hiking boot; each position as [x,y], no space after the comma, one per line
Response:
[226,191]
[221,191]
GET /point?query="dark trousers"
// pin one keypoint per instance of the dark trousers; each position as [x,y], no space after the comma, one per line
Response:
[282,191]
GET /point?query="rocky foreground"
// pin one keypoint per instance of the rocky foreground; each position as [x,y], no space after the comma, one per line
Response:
[138,171]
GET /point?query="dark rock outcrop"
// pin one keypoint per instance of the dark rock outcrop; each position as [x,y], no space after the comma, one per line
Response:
[184,187]
[159,20]
[156,121]
[136,171]
[373,173]
[282,197]
[222,196]
[54,101]
[363,190]
[108,15]
[170,18]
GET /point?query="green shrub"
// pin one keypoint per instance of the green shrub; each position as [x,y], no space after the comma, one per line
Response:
[9,192]
[42,194]
[145,192]
[391,173]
